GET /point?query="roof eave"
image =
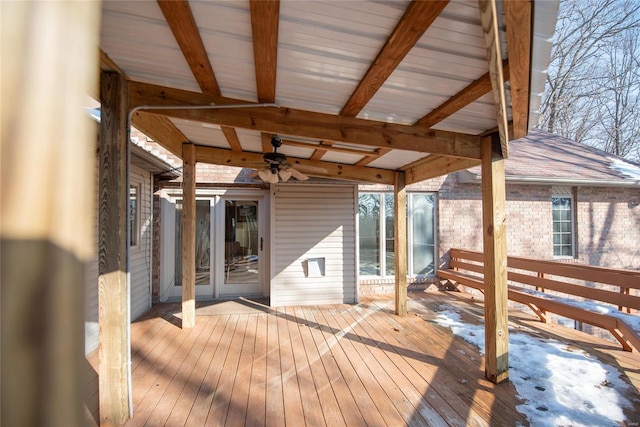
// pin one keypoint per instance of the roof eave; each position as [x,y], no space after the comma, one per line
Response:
[466,177]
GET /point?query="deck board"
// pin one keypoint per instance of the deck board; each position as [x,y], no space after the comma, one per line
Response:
[349,365]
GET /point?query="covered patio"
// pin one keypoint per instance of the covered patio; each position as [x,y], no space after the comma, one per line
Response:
[382,92]
[247,364]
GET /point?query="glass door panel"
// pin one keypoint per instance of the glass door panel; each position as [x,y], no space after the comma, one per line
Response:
[423,238]
[242,245]
[203,243]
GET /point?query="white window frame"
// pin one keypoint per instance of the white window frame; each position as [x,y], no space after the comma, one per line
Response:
[564,193]
[137,185]
[382,259]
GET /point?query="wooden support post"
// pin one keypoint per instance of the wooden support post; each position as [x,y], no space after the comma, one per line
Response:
[189,236]
[113,288]
[495,262]
[400,245]
[46,207]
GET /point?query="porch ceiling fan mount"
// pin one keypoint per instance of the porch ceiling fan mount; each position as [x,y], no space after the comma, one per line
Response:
[275,167]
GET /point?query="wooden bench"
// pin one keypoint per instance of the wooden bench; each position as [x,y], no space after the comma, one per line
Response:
[530,279]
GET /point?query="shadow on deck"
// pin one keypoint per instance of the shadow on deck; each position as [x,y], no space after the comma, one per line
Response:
[247,364]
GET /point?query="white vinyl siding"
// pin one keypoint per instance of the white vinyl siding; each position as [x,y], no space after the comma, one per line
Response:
[140,255]
[140,258]
[310,222]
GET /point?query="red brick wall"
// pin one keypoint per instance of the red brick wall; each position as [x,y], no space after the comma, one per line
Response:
[607,220]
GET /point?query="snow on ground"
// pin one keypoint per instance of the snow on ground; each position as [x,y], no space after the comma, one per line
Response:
[559,386]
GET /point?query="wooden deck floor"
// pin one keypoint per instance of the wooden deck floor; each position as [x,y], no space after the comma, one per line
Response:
[338,365]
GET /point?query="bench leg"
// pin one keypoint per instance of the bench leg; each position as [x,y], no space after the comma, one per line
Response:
[542,314]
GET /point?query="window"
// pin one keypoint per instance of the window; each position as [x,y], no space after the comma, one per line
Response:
[134,214]
[563,229]
[377,239]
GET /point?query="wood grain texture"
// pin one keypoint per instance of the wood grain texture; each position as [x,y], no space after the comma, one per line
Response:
[232,138]
[434,166]
[414,22]
[112,250]
[265,19]
[161,130]
[518,26]
[466,96]
[189,236]
[494,226]
[489,18]
[310,124]
[400,244]
[333,170]
[183,25]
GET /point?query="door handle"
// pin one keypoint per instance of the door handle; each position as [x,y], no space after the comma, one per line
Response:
[261,243]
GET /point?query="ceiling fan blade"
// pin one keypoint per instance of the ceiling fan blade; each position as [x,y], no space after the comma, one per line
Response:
[285,174]
[254,173]
[298,175]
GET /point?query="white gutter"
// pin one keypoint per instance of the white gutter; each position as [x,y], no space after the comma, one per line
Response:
[471,178]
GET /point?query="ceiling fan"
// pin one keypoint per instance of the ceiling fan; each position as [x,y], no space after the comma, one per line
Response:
[277,169]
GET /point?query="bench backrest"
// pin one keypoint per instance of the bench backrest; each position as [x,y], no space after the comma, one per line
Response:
[536,272]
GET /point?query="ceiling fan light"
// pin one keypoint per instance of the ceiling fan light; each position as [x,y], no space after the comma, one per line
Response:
[285,174]
[264,174]
[273,177]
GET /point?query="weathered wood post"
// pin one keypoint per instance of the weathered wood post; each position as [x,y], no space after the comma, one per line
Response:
[495,262]
[189,236]
[113,289]
[49,64]
[400,246]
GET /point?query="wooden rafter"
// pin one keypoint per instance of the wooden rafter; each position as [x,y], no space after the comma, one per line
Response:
[328,146]
[333,170]
[379,151]
[434,166]
[265,15]
[232,138]
[518,26]
[320,152]
[183,25]
[466,96]
[415,21]
[310,124]
[161,130]
[489,18]
[266,142]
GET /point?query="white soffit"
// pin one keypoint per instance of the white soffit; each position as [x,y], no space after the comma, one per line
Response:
[396,159]
[423,80]
[225,28]
[135,35]
[201,133]
[325,48]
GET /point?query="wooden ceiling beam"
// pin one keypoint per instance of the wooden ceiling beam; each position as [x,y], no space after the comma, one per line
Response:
[178,15]
[489,19]
[320,152]
[266,142]
[466,96]
[220,156]
[309,124]
[518,26]
[325,146]
[161,130]
[180,19]
[416,19]
[265,17]
[232,138]
[379,151]
[437,166]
